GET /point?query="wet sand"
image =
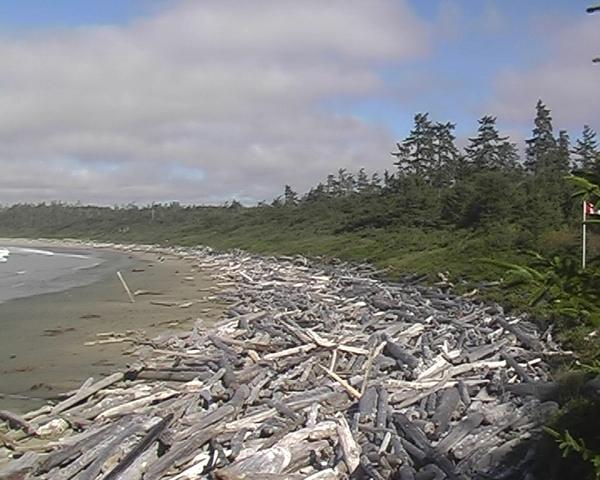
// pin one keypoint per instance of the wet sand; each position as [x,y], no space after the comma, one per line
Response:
[42,341]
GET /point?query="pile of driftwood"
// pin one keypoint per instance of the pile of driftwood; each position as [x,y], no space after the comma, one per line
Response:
[316,372]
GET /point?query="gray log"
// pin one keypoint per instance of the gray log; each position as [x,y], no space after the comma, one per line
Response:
[180,453]
[430,472]
[445,409]
[484,351]
[369,468]
[541,390]
[515,366]
[411,432]
[367,404]
[458,432]
[17,421]
[382,408]
[407,473]
[172,376]
[525,339]
[463,391]
[21,468]
[86,393]
[91,472]
[392,349]
[85,444]
[139,449]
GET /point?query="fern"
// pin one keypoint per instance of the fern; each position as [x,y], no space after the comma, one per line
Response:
[568,444]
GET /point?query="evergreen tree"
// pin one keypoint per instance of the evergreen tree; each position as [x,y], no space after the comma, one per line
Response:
[375,185]
[586,150]
[315,194]
[416,153]
[332,188]
[362,181]
[345,181]
[541,147]
[490,151]
[290,198]
[389,180]
[562,161]
[445,156]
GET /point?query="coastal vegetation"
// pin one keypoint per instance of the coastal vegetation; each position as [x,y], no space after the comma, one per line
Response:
[436,209]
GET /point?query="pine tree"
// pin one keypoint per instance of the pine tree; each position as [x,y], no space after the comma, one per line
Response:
[345,181]
[415,153]
[490,151]
[541,147]
[315,194]
[445,155]
[586,150]
[562,160]
[290,198]
[362,181]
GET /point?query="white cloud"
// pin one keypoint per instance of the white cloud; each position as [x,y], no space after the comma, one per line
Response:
[229,89]
[565,79]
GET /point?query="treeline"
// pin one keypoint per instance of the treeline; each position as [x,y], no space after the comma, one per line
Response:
[435,208]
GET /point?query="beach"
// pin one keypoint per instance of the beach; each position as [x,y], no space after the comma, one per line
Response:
[43,350]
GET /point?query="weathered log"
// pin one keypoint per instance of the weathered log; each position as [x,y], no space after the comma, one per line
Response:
[180,453]
[139,449]
[411,432]
[13,420]
[139,466]
[382,408]
[87,392]
[458,432]
[478,353]
[541,390]
[394,350]
[135,405]
[445,409]
[292,449]
[525,339]
[369,468]
[463,391]
[350,449]
[20,469]
[367,404]
[93,470]
[430,472]
[511,362]
[87,443]
[407,472]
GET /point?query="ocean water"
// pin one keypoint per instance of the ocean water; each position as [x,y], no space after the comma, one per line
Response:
[26,271]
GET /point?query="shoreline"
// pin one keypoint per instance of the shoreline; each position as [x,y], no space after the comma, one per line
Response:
[52,342]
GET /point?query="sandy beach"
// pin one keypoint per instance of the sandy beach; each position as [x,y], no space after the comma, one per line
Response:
[43,349]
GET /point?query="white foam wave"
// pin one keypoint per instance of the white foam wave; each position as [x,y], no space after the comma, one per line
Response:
[4,253]
[49,253]
[32,250]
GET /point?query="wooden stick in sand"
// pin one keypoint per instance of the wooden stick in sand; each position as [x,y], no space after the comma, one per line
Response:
[125,287]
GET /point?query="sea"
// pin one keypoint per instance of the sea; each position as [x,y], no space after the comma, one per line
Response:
[27,271]
[42,349]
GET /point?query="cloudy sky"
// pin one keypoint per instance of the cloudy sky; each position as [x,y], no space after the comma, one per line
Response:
[201,101]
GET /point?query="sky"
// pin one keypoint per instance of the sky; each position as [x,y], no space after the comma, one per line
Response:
[118,102]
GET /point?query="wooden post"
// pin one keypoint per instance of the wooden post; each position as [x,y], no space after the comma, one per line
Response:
[583,235]
[125,287]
